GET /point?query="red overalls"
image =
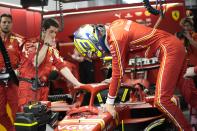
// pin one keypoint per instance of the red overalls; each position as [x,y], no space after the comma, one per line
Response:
[8,94]
[124,36]
[27,70]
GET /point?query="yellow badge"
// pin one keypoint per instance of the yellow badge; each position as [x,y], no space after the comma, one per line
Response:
[175,15]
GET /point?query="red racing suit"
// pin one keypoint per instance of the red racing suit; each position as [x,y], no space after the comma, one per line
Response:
[124,36]
[27,70]
[8,94]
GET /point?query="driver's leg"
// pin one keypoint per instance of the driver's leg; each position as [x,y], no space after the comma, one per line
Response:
[166,82]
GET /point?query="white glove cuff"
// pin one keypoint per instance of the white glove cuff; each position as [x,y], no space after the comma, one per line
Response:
[110,100]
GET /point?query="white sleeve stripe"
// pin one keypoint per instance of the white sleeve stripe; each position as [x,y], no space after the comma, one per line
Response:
[118,53]
[111,97]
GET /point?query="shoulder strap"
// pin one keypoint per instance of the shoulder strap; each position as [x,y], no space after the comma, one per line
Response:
[8,65]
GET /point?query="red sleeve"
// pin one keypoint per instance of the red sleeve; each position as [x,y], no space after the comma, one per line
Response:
[118,48]
[58,62]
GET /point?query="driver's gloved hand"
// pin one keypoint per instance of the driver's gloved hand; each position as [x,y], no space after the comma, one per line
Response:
[111,109]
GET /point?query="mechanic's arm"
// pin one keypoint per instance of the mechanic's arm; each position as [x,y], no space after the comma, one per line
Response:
[48,41]
[191,40]
[69,76]
[41,55]
[61,65]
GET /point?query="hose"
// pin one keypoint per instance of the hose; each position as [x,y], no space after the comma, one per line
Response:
[65,97]
[152,10]
[61,16]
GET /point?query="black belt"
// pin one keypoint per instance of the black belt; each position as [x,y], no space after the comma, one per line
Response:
[26,79]
[33,81]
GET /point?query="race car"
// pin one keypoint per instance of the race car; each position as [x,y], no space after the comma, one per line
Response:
[134,105]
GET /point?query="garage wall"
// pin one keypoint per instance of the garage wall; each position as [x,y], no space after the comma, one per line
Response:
[74,19]
[25,23]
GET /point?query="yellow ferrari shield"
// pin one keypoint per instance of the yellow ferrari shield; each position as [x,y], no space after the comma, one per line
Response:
[175,15]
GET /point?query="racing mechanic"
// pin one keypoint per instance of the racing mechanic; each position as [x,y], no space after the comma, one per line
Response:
[8,89]
[190,40]
[124,36]
[189,33]
[47,58]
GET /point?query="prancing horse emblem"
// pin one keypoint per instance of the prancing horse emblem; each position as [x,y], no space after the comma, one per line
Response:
[175,15]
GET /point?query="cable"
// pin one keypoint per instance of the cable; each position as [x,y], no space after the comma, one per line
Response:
[152,10]
[7,63]
[59,97]
[61,16]
[37,52]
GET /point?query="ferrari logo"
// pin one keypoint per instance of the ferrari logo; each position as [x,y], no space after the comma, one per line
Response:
[175,15]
